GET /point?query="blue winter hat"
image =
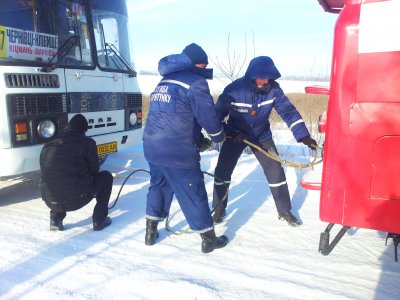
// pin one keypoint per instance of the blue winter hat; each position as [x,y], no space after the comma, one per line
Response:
[196,54]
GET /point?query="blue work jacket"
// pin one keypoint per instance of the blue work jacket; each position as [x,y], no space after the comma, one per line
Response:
[249,107]
[180,106]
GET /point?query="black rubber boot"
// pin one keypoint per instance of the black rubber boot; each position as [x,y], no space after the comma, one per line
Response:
[212,242]
[151,232]
[289,218]
[219,214]
[56,221]
[97,226]
[56,224]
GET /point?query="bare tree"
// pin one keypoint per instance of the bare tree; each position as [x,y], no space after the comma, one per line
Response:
[233,65]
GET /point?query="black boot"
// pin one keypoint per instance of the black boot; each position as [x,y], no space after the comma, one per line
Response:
[219,214]
[151,232]
[56,224]
[289,218]
[97,226]
[211,241]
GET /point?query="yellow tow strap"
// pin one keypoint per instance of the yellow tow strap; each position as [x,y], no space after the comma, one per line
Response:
[273,155]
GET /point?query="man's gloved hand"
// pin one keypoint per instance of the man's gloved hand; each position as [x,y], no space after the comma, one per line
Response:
[238,138]
[205,144]
[309,142]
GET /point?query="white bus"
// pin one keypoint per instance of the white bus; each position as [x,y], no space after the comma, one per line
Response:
[59,58]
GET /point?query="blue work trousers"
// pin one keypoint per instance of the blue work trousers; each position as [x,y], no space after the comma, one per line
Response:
[188,186]
[227,160]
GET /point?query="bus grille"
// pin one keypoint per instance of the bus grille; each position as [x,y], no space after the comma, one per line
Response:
[133,101]
[37,104]
[32,81]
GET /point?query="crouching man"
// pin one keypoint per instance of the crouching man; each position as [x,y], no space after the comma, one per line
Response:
[70,176]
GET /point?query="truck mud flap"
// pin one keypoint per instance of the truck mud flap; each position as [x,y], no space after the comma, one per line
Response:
[324,246]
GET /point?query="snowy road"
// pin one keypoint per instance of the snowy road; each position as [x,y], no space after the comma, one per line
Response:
[265,258]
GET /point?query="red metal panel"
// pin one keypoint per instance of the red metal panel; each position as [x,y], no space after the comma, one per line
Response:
[385,177]
[342,95]
[361,169]
[379,74]
[371,123]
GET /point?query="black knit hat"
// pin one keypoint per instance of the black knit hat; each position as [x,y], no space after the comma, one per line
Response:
[77,123]
[196,54]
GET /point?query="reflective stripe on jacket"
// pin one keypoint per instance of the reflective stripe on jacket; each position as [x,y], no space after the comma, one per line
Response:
[249,107]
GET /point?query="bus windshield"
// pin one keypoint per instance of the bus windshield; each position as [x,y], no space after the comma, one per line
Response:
[110,23]
[65,33]
[31,32]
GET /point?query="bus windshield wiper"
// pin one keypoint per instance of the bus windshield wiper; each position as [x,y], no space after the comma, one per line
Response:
[121,58]
[61,53]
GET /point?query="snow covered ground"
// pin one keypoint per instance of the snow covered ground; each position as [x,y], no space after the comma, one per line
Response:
[265,258]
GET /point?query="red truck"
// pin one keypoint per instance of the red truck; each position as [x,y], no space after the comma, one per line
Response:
[360,179]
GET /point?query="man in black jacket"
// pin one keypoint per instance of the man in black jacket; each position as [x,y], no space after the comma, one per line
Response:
[70,176]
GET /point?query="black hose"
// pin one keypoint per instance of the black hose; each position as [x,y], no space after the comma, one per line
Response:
[133,172]
[167,218]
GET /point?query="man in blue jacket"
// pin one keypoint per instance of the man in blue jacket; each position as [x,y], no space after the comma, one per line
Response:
[180,106]
[249,101]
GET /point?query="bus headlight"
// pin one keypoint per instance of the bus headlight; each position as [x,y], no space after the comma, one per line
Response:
[133,119]
[46,129]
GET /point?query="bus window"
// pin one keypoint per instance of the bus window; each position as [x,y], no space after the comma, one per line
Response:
[65,19]
[110,33]
[36,30]
[16,14]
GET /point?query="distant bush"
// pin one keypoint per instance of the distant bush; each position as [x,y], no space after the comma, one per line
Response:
[309,106]
[145,107]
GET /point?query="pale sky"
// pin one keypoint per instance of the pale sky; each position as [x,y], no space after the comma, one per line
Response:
[296,34]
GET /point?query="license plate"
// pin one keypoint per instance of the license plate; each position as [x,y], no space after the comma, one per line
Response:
[107,148]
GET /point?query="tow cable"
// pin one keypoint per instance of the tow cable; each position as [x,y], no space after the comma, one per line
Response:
[273,155]
[270,153]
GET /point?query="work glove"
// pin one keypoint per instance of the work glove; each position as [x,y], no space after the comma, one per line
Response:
[309,142]
[238,138]
[205,144]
